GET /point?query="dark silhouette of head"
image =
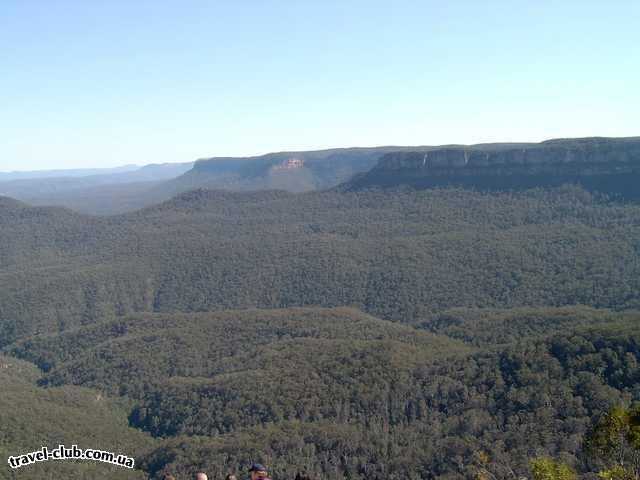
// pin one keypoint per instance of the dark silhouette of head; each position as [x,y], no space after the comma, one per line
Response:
[258,471]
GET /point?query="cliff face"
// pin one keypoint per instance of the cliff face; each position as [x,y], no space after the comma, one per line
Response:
[578,154]
[605,164]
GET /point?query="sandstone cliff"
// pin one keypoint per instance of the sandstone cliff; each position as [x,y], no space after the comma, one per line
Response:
[608,165]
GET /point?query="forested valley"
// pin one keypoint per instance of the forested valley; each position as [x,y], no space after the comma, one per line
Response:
[374,333]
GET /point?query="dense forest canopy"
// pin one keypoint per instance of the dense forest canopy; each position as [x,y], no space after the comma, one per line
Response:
[32,417]
[360,333]
[402,255]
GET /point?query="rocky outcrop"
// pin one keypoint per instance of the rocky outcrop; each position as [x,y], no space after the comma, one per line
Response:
[598,163]
[554,153]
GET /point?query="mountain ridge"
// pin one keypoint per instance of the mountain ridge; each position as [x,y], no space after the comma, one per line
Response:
[349,168]
[607,165]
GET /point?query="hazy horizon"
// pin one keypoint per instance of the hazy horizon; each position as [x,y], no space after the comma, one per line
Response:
[135,166]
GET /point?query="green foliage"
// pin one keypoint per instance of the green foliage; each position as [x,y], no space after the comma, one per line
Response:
[32,417]
[323,449]
[615,441]
[403,256]
[435,401]
[477,322]
[617,472]
[548,469]
[485,327]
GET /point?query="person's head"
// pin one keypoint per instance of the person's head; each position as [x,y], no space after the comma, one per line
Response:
[168,476]
[231,476]
[258,472]
[201,476]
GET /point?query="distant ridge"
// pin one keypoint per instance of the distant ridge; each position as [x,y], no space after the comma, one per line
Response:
[6,176]
[607,165]
[95,191]
[316,170]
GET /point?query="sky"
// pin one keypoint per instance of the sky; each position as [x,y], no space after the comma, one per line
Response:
[106,83]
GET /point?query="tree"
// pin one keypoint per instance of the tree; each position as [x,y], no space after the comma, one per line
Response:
[615,442]
[545,468]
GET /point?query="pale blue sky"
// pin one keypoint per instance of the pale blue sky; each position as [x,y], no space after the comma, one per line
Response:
[90,83]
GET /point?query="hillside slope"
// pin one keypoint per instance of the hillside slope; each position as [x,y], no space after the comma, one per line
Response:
[344,395]
[403,256]
[241,368]
[532,397]
[385,333]
[33,417]
[290,171]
